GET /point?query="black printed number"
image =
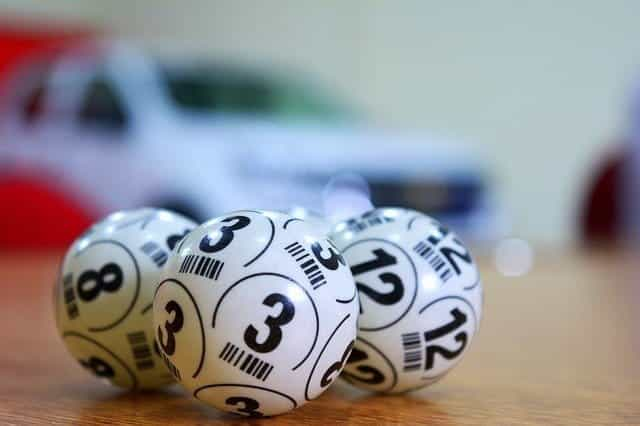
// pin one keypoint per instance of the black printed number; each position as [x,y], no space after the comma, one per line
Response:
[382,259]
[172,327]
[98,367]
[173,240]
[335,368]
[450,253]
[459,319]
[274,323]
[332,262]
[370,375]
[91,283]
[226,234]
[250,406]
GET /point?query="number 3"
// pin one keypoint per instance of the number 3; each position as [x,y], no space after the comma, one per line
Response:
[227,234]
[172,327]
[332,262]
[274,323]
[250,405]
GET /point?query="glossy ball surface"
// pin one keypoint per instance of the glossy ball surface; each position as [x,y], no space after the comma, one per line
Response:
[256,314]
[420,296]
[104,294]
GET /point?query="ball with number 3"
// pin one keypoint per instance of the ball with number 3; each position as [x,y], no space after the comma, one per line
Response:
[420,298]
[104,294]
[256,313]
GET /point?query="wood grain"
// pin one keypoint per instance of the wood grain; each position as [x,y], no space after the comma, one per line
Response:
[560,345]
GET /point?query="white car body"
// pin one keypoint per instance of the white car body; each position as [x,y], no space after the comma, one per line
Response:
[211,163]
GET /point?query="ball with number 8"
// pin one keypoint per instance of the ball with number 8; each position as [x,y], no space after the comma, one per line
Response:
[256,313]
[420,298]
[104,294]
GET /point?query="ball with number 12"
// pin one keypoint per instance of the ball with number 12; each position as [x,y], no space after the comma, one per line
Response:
[420,298]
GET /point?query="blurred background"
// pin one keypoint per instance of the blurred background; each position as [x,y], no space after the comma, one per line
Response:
[503,120]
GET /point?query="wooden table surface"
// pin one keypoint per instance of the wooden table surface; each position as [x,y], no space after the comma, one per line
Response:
[560,345]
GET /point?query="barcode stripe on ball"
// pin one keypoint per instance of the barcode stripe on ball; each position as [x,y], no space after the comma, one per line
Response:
[412,351]
[239,358]
[204,266]
[262,371]
[218,266]
[224,350]
[70,296]
[366,221]
[141,350]
[309,266]
[252,365]
[436,261]
[157,254]
[246,362]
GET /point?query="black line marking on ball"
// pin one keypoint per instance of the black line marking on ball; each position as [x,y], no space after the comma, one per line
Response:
[148,220]
[273,274]
[415,280]
[145,219]
[137,288]
[414,218]
[221,385]
[410,223]
[273,233]
[195,305]
[394,374]
[134,379]
[355,294]
[315,364]
[181,243]
[175,372]
[472,286]
[294,219]
[146,309]
[244,211]
[251,364]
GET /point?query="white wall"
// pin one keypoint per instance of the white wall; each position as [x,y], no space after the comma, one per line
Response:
[538,88]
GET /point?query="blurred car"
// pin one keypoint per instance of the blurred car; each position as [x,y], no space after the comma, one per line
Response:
[115,129]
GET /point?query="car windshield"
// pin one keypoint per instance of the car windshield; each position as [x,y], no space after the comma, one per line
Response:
[210,89]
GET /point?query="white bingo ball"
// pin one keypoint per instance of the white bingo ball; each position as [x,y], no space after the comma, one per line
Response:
[256,314]
[104,295]
[420,298]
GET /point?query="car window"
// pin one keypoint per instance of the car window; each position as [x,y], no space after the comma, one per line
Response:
[201,89]
[102,107]
[197,91]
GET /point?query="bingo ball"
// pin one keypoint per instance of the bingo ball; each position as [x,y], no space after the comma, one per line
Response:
[104,295]
[420,298]
[256,313]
